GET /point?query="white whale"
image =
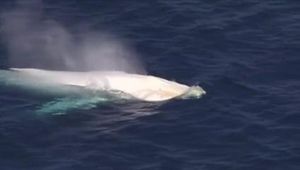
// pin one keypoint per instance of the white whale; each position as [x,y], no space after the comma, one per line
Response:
[142,87]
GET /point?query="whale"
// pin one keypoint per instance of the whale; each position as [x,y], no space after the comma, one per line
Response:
[69,90]
[141,87]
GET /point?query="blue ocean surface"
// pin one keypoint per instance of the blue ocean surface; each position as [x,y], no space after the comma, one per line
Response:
[245,54]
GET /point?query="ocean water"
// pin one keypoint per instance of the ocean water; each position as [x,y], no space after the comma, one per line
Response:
[245,54]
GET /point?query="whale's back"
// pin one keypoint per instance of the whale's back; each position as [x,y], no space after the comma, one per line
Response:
[143,87]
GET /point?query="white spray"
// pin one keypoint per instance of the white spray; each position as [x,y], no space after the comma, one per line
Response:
[33,40]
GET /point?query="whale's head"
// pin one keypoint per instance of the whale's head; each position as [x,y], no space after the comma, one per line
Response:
[158,89]
[193,92]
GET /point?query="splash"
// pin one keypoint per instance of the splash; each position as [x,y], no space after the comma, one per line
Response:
[37,41]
